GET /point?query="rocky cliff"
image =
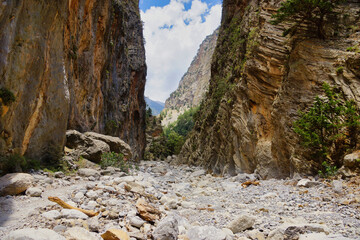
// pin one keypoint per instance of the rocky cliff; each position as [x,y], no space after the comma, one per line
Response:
[195,82]
[259,81]
[71,64]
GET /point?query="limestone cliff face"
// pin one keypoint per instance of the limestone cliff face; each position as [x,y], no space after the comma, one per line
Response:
[71,64]
[260,80]
[195,82]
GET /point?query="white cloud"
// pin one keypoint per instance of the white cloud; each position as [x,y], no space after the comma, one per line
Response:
[172,36]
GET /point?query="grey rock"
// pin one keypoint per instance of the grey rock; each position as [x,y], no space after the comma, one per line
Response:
[33,192]
[34,234]
[307,183]
[93,224]
[337,186]
[73,214]
[116,144]
[15,183]
[242,223]
[352,160]
[53,214]
[198,173]
[60,228]
[206,233]
[85,146]
[136,221]
[167,229]
[59,174]
[78,233]
[88,172]
[92,194]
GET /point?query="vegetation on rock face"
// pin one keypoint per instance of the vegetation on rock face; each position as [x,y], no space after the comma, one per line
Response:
[113,159]
[329,128]
[6,96]
[300,11]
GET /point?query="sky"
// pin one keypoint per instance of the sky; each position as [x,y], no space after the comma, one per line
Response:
[173,31]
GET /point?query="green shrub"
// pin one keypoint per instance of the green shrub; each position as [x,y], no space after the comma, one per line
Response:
[17,163]
[7,96]
[174,143]
[339,70]
[330,127]
[328,170]
[314,11]
[113,159]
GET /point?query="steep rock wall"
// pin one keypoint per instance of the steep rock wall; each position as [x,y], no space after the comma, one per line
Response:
[76,64]
[260,80]
[195,82]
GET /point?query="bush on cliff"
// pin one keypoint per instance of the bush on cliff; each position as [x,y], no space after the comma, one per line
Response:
[329,128]
[299,11]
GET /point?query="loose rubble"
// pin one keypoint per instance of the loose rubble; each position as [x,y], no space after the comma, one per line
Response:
[163,201]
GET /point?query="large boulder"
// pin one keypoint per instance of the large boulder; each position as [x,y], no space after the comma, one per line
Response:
[116,144]
[92,145]
[34,234]
[15,183]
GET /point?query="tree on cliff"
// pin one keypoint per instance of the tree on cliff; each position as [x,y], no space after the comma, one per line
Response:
[299,11]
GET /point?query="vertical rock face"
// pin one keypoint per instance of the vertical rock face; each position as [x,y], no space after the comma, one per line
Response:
[72,64]
[195,81]
[259,81]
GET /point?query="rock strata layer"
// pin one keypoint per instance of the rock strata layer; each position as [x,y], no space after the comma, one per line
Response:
[71,65]
[259,81]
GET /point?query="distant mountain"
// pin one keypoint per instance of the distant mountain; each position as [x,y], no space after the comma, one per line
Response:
[156,106]
[195,81]
[194,84]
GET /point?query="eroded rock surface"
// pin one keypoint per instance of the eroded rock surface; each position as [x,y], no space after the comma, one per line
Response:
[76,65]
[259,81]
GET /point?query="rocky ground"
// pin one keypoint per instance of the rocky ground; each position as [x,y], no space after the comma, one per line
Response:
[193,205]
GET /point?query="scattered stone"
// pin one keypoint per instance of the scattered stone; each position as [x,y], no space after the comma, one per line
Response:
[205,233]
[88,172]
[73,214]
[167,229]
[53,214]
[33,192]
[351,161]
[93,224]
[79,233]
[242,223]
[197,173]
[115,234]
[136,221]
[59,174]
[15,183]
[307,183]
[146,211]
[34,234]
[337,186]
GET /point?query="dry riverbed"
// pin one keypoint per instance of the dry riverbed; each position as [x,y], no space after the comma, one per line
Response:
[193,205]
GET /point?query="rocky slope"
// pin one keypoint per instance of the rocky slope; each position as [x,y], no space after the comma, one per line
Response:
[77,65]
[194,83]
[193,205]
[259,81]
